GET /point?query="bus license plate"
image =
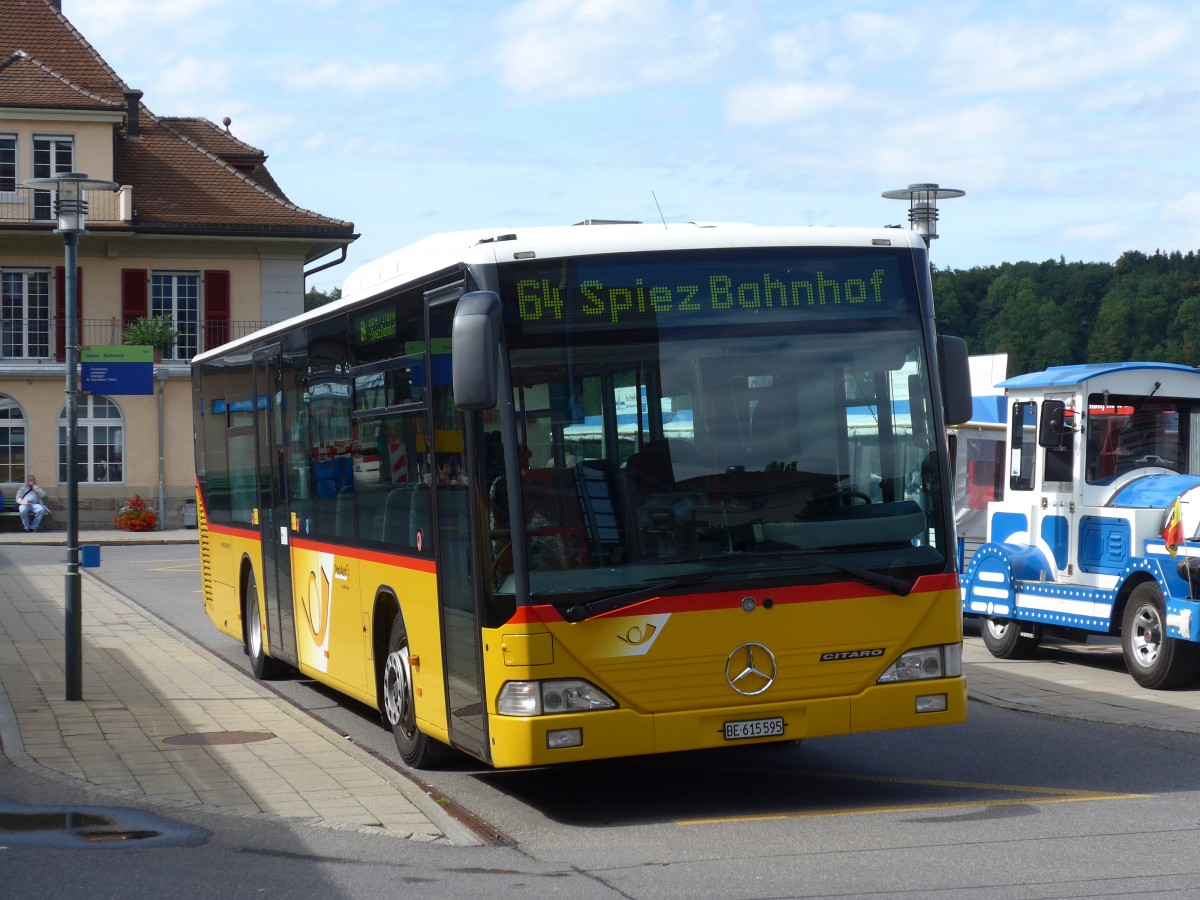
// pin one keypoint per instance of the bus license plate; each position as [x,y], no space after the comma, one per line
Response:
[753,728]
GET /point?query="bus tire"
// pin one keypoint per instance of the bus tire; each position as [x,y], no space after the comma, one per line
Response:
[262,667]
[1154,660]
[1004,640]
[416,748]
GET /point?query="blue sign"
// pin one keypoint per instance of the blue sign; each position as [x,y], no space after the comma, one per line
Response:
[118,370]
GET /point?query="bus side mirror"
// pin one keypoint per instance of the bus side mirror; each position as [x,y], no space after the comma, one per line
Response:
[955,370]
[475,343]
[1052,427]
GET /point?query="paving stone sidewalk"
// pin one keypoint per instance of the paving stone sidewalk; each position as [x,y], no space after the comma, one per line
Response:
[164,720]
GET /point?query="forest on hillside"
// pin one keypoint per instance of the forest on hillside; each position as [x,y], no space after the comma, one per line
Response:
[1054,313]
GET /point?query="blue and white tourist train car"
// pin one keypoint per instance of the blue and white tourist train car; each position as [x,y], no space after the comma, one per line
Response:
[1096,533]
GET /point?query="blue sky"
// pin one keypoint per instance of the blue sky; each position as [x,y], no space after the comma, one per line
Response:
[1072,126]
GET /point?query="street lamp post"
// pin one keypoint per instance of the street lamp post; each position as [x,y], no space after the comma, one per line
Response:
[922,206]
[71,209]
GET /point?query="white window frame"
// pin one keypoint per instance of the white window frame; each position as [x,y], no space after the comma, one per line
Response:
[26,316]
[12,419]
[94,458]
[54,167]
[166,299]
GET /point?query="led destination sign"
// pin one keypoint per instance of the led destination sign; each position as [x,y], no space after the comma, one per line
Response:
[707,289]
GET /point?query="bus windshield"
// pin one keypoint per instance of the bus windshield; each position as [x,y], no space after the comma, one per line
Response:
[659,446]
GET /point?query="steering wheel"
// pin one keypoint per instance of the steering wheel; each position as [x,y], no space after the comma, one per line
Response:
[841,498]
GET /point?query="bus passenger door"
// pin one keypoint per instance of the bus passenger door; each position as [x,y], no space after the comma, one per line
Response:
[273,417]
[458,606]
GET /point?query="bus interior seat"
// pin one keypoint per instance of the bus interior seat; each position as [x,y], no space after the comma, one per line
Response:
[396,515]
[649,470]
[343,515]
[774,429]
[419,519]
[326,487]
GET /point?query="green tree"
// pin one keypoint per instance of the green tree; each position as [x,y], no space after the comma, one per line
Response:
[315,297]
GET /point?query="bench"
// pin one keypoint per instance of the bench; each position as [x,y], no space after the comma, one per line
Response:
[10,520]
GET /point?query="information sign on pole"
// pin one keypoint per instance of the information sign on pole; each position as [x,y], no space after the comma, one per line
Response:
[125,369]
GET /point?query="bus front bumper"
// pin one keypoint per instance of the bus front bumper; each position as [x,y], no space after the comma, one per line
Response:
[547,740]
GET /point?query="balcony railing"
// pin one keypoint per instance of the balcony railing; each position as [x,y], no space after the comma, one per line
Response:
[30,206]
[44,339]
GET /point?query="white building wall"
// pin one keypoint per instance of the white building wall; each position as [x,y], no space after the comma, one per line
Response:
[282,285]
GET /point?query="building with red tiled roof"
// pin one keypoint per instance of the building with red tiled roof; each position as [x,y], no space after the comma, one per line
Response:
[197,230]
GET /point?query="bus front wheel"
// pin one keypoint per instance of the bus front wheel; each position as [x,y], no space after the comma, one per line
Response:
[415,748]
[1154,660]
[261,666]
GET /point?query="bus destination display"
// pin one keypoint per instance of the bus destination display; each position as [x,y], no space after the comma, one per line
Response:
[607,292]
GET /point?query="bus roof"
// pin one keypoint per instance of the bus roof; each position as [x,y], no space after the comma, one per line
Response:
[1066,376]
[482,246]
[502,244]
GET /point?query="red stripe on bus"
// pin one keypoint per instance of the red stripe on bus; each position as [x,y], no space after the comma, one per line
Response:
[365,555]
[359,553]
[251,534]
[842,590]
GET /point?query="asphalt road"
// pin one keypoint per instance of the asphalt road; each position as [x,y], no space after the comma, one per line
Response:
[1010,804]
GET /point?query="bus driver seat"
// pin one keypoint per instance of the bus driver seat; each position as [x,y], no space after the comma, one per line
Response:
[774,429]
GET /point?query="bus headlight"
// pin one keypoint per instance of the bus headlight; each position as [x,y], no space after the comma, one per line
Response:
[944,661]
[544,698]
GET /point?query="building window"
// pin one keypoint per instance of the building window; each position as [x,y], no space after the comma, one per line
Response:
[52,155]
[177,296]
[8,163]
[101,437]
[25,313]
[12,441]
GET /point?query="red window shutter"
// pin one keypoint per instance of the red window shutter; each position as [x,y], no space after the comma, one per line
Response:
[135,294]
[60,310]
[216,307]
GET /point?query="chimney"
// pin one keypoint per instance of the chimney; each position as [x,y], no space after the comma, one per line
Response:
[132,99]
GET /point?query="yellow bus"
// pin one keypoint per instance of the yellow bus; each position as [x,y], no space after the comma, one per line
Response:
[570,493]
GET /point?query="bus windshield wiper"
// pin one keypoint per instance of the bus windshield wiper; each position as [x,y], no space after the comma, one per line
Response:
[889,583]
[579,611]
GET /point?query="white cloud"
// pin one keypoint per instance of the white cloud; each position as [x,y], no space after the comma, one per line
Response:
[1056,54]
[1096,231]
[1184,210]
[192,87]
[562,48]
[764,103]
[103,22]
[337,77]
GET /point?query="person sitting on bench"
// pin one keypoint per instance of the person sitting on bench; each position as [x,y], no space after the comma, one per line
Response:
[29,503]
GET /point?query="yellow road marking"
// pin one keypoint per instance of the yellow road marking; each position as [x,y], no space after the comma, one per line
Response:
[1040,795]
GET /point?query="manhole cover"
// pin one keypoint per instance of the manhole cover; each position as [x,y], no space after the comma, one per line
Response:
[209,738]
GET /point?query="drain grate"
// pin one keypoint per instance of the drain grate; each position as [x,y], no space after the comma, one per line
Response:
[211,738]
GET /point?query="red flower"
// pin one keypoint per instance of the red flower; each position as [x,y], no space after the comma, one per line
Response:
[135,515]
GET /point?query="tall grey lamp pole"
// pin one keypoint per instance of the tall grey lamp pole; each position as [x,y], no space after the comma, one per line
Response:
[922,206]
[71,208]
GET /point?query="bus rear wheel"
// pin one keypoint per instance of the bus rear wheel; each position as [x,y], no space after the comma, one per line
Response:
[1154,660]
[1004,640]
[416,748]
